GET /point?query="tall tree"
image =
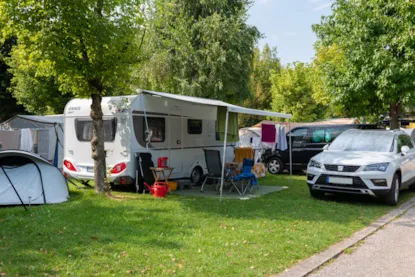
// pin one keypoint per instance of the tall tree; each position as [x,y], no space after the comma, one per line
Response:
[8,104]
[87,46]
[292,92]
[375,39]
[264,62]
[199,48]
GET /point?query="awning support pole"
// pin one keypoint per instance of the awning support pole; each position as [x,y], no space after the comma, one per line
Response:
[291,154]
[224,154]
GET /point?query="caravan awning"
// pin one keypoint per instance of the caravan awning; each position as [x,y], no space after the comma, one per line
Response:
[211,102]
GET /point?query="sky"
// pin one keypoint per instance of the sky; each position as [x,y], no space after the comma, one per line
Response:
[286,24]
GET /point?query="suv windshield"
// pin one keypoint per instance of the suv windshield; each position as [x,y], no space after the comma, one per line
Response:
[372,141]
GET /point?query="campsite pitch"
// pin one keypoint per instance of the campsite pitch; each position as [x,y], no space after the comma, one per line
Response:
[178,236]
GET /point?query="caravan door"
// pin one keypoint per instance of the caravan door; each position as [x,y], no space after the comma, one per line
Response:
[175,140]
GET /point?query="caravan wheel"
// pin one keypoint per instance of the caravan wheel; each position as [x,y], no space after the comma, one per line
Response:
[196,175]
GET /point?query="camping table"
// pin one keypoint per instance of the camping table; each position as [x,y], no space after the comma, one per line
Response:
[162,173]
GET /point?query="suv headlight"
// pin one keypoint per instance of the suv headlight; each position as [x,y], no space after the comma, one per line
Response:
[377,167]
[313,163]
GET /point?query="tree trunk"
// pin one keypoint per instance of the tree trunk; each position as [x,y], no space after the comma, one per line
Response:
[395,109]
[97,144]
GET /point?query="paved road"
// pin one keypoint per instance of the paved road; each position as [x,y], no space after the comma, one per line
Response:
[388,252]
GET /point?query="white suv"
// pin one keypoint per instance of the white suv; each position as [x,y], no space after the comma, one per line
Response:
[377,163]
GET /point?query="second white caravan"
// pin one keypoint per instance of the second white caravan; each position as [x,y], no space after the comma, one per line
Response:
[164,125]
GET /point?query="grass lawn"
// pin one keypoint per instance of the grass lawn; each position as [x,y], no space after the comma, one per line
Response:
[178,236]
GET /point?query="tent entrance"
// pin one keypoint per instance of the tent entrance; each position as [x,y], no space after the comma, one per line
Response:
[15,169]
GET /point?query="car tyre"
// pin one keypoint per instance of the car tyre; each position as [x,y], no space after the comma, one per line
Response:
[196,177]
[412,188]
[275,166]
[393,196]
[317,194]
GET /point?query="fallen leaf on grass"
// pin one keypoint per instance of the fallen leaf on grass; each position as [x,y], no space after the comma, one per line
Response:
[180,265]
[123,253]
[266,254]
[199,251]
[94,237]
[252,267]
[60,233]
[130,272]
[3,274]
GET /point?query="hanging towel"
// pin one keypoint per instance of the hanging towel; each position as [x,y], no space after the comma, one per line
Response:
[9,139]
[26,140]
[268,133]
[282,139]
[233,130]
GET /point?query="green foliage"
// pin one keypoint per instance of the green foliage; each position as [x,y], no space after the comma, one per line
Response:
[8,104]
[374,43]
[264,62]
[198,48]
[79,48]
[292,92]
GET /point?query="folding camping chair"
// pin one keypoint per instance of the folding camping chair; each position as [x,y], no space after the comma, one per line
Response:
[143,172]
[214,166]
[246,175]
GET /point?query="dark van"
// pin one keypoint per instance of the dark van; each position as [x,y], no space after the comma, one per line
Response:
[307,142]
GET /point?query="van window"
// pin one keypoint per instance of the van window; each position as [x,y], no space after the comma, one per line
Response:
[326,135]
[194,126]
[157,128]
[318,136]
[298,134]
[84,128]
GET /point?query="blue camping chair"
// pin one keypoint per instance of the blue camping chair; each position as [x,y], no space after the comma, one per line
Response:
[246,176]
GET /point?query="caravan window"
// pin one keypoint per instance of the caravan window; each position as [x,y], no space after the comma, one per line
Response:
[194,126]
[84,129]
[157,128]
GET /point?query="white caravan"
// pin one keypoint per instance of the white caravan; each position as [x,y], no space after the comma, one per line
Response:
[164,125]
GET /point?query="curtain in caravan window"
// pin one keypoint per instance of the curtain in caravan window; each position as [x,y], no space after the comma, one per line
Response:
[233,129]
[84,129]
[157,128]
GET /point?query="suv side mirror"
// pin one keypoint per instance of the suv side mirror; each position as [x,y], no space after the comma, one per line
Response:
[405,149]
[326,147]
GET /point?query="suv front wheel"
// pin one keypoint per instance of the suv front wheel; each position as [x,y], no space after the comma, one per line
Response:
[393,196]
[275,166]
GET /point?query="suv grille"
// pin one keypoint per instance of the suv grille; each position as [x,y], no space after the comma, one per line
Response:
[346,168]
[357,182]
